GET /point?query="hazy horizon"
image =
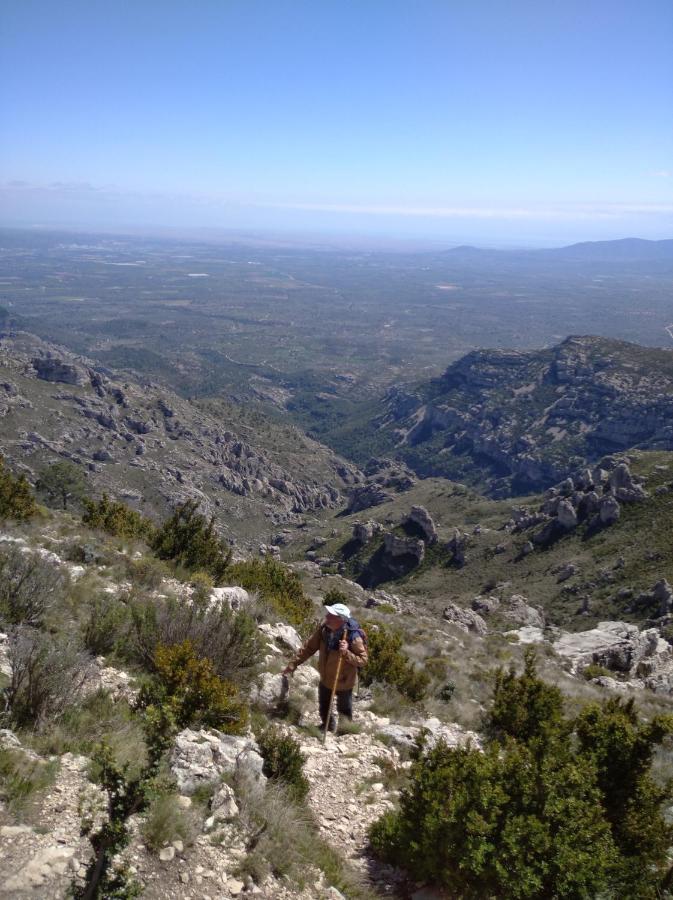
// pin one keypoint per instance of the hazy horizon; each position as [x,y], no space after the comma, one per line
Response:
[497,125]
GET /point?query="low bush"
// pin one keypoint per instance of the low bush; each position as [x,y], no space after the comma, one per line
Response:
[596,671]
[285,841]
[165,822]
[284,761]
[190,540]
[389,664]
[187,686]
[84,725]
[22,780]
[278,586]
[117,519]
[230,640]
[16,498]
[107,624]
[48,675]
[147,573]
[29,588]
[552,808]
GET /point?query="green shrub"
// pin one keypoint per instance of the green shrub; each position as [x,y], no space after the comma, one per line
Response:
[148,573]
[621,748]
[61,483]
[446,692]
[118,519]
[278,586]
[165,822]
[525,707]
[48,674]
[16,498]
[334,596]
[188,687]
[284,761]
[126,795]
[22,779]
[389,664]
[595,671]
[499,824]
[230,640]
[29,588]
[189,540]
[107,624]
[551,808]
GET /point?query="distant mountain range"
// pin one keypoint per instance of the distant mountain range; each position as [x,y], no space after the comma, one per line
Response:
[626,250]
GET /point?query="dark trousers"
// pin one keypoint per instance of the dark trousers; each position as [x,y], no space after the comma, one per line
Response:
[344,702]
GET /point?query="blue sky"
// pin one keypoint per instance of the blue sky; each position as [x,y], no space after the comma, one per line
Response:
[493,121]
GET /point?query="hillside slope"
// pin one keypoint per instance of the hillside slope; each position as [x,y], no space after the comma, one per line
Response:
[140,442]
[511,422]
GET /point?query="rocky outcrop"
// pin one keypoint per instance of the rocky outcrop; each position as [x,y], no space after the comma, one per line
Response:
[401,550]
[457,547]
[421,519]
[641,656]
[514,609]
[56,370]
[202,757]
[365,496]
[465,619]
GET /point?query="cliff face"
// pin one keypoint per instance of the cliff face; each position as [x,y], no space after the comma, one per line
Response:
[519,421]
[148,446]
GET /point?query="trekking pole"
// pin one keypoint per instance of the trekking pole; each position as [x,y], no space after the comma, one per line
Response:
[331,699]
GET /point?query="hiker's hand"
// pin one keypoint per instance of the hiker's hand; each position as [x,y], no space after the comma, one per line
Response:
[343,647]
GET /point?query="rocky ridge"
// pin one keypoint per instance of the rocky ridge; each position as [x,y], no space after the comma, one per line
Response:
[517,421]
[149,447]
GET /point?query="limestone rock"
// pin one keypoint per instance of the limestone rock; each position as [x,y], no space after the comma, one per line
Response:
[202,757]
[621,647]
[269,690]
[57,370]
[282,634]
[420,517]
[457,545]
[609,510]
[465,619]
[223,803]
[367,495]
[235,597]
[623,486]
[363,532]
[395,545]
[566,515]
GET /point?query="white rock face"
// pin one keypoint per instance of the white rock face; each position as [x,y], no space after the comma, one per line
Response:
[282,634]
[452,734]
[621,647]
[269,690]
[234,597]
[202,757]
[223,805]
[528,634]
[465,619]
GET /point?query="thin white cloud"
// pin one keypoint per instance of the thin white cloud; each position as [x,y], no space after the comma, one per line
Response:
[581,211]
[662,173]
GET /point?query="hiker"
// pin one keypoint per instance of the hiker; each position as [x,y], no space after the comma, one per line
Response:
[338,636]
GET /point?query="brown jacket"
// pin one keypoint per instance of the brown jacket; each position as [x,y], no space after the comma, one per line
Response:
[328,660]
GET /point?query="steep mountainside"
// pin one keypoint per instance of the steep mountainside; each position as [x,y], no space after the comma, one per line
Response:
[142,443]
[511,422]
